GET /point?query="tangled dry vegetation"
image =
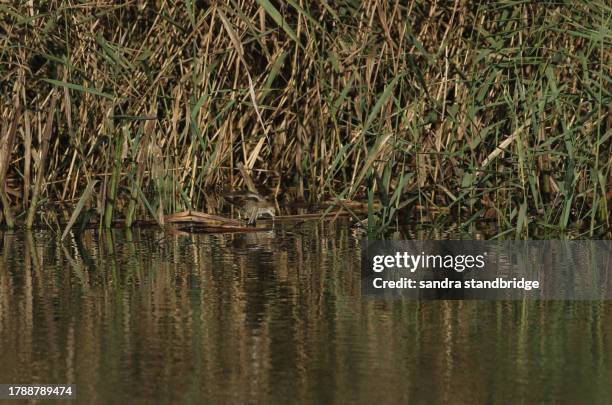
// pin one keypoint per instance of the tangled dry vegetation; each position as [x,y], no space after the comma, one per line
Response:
[492,109]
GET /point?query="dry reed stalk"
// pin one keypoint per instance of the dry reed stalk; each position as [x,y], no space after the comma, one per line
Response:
[6,150]
[68,111]
[246,177]
[44,150]
[27,144]
[502,146]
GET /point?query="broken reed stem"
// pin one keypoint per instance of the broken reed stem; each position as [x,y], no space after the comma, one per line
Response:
[40,172]
[83,203]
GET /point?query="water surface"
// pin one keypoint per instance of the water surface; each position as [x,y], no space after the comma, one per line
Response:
[274,317]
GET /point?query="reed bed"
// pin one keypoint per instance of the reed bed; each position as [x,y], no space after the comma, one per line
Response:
[471,110]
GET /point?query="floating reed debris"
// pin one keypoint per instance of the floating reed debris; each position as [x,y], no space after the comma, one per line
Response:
[202,218]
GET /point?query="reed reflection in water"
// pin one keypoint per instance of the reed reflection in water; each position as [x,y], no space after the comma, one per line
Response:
[274,317]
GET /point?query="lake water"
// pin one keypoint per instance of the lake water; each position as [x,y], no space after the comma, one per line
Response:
[275,317]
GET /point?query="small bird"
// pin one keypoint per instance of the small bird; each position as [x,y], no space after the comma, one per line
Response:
[252,205]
